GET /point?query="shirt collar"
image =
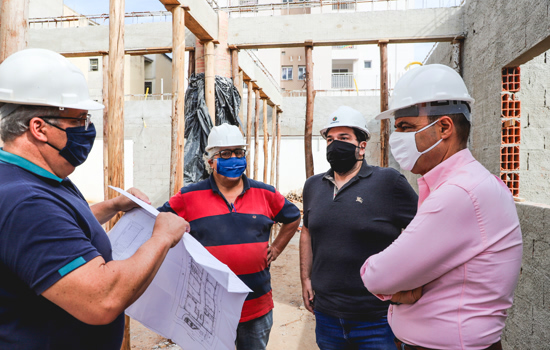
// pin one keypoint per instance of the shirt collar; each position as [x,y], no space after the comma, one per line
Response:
[21,162]
[442,172]
[215,189]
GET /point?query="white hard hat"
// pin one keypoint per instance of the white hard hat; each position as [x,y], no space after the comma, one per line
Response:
[225,135]
[44,78]
[346,116]
[429,83]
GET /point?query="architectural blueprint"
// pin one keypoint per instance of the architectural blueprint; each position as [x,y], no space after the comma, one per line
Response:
[194,299]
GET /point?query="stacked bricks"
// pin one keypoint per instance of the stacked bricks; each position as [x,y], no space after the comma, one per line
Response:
[511,129]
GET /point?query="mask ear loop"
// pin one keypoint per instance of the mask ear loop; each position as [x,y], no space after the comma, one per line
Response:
[435,144]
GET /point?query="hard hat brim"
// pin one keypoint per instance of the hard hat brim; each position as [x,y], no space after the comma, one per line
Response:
[346,125]
[390,113]
[88,105]
[234,145]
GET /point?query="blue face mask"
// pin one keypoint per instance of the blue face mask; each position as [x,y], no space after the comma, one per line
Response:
[232,167]
[79,143]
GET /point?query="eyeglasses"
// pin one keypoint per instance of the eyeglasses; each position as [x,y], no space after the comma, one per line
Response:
[226,153]
[87,121]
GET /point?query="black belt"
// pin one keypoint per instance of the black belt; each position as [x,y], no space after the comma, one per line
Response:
[402,346]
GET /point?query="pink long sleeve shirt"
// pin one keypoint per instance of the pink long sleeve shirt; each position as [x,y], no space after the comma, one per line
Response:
[464,247]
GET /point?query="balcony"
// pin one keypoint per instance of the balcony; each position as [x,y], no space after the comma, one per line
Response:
[342,81]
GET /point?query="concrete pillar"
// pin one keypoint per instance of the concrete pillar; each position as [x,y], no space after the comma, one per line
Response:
[14,27]
[384,100]
[178,99]
[456,60]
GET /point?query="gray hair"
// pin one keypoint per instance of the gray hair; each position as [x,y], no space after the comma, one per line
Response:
[14,124]
[207,156]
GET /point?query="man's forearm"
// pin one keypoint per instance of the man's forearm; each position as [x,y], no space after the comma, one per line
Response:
[104,211]
[285,235]
[306,255]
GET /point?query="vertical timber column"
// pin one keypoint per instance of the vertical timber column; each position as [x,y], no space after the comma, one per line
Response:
[384,98]
[309,109]
[14,27]
[249,114]
[178,99]
[191,63]
[273,143]
[266,142]
[115,137]
[278,146]
[210,79]
[237,78]
[105,92]
[256,131]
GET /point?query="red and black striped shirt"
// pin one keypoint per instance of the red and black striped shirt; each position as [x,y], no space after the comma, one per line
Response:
[237,234]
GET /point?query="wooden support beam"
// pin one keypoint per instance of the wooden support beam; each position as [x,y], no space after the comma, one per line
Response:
[191,63]
[115,112]
[308,133]
[178,99]
[210,79]
[273,143]
[278,147]
[241,93]
[256,132]
[249,114]
[105,92]
[237,79]
[266,142]
[384,100]
[14,27]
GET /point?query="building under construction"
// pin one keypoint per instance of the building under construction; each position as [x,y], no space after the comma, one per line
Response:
[292,64]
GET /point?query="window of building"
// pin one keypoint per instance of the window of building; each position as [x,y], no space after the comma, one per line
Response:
[287,73]
[301,72]
[343,5]
[148,85]
[283,53]
[94,64]
[340,70]
[367,64]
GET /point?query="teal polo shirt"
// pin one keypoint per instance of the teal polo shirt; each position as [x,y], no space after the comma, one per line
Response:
[47,230]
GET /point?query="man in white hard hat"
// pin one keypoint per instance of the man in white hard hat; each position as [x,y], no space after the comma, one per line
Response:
[454,269]
[232,215]
[59,288]
[352,211]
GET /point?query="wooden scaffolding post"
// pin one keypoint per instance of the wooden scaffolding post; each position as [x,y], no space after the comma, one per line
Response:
[278,146]
[115,136]
[309,109]
[273,143]
[249,114]
[384,100]
[266,142]
[210,79]
[256,132]
[237,78]
[191,63]
[105,92]
[178,99]
[14,27]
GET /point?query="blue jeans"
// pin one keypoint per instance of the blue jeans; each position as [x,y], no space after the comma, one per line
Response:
[335,333]
[254,334]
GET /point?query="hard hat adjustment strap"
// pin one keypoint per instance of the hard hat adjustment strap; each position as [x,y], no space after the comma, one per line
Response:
[435,108]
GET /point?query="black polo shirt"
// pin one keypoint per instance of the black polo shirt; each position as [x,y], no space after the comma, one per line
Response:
[364,217]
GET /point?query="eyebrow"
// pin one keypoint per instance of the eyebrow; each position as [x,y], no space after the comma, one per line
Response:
[340,134]
[400,124]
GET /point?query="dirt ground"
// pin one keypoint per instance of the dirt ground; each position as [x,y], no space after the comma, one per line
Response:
[293,326]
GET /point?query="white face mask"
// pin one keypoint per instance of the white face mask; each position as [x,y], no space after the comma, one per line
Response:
[404,150]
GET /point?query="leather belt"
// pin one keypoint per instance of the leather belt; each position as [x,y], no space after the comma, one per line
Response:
[402,346]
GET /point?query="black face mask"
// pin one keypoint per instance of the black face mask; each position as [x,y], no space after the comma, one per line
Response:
[341,156]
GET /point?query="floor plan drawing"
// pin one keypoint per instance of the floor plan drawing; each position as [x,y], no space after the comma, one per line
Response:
[123,246]
[198,305]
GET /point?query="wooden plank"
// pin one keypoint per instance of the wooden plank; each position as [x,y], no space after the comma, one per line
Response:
[249,113]
[273,143]
[116,114]
[210,79]
[178,99]
[384,100]
[132,52]
[308,133]
[191,63]
[411,40]
[278,147]
[105,93]
[14,27]
[256,132]
[266,142]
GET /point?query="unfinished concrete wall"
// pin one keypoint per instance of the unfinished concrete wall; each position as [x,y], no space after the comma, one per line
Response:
[534,95]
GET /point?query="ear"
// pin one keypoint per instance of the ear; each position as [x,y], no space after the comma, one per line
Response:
[211,163]
[362,145]
[447,127]
[38,130]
